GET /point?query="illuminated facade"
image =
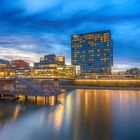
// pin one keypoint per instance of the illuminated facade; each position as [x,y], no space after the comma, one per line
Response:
[60,60]
[52,66]
[20,68]
[54,71]
[93,52]
[19,64]
[22,73]
[49,60]
[4,64]
[4,68]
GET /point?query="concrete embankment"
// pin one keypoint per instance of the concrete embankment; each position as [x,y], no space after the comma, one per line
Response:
[107,83]
[100,88]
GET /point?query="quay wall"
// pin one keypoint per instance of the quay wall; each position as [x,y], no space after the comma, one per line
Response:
[93,82]
[108,83]
[4,84]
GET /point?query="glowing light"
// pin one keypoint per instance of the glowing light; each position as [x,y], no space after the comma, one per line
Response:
[16,112]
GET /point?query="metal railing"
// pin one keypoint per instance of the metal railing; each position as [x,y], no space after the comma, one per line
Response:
[32,87]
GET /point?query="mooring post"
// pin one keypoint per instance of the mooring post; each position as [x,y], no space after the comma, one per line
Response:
[56,99]
[16,95]
[35,99]
[26,98]
[48,100]
[45,99]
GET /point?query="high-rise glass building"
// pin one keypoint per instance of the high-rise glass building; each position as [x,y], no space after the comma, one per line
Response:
[93,52]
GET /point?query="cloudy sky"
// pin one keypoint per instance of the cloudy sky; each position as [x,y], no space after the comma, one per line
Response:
[31,28]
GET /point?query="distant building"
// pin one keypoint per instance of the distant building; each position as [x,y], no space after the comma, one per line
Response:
[54,71]
[4,63]
[19,64]
[50,59]
[53,66]
[4,68]
[60,60]
[20,68]
[93,52]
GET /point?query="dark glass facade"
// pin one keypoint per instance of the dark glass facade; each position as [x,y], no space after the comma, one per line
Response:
[93,52]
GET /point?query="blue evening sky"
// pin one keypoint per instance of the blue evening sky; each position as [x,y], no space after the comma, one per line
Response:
[30,29]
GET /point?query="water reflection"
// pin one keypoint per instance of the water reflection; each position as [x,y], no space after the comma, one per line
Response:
[126,114]
[16,112]
[39,100]
[83,115]
[92,115]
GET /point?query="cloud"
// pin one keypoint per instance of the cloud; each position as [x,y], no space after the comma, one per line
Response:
[44,26]
[12,53]
[22,48]
[34,6]
[123,67]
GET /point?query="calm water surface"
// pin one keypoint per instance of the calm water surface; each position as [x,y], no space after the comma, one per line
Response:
[82,115]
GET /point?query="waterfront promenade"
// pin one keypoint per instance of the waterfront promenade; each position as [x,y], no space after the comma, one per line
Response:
[100,88]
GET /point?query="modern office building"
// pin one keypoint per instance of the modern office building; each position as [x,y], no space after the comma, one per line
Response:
[54,71]
[19,64]
[14,68]
[50,59]
[4,64]
[60,60]
[4,68]
[52,66]
[93,52]
[20,68]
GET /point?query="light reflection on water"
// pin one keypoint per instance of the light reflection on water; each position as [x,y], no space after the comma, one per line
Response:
[84,115]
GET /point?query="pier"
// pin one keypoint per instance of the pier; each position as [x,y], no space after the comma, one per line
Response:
[31,91]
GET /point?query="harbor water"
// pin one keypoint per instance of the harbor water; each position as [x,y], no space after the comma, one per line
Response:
[79,115]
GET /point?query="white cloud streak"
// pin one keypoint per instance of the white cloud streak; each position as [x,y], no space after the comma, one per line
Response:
[15,53]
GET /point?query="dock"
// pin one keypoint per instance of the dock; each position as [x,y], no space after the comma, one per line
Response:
[32,90]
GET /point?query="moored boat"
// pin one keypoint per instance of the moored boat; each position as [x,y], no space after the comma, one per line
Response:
[8,97]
